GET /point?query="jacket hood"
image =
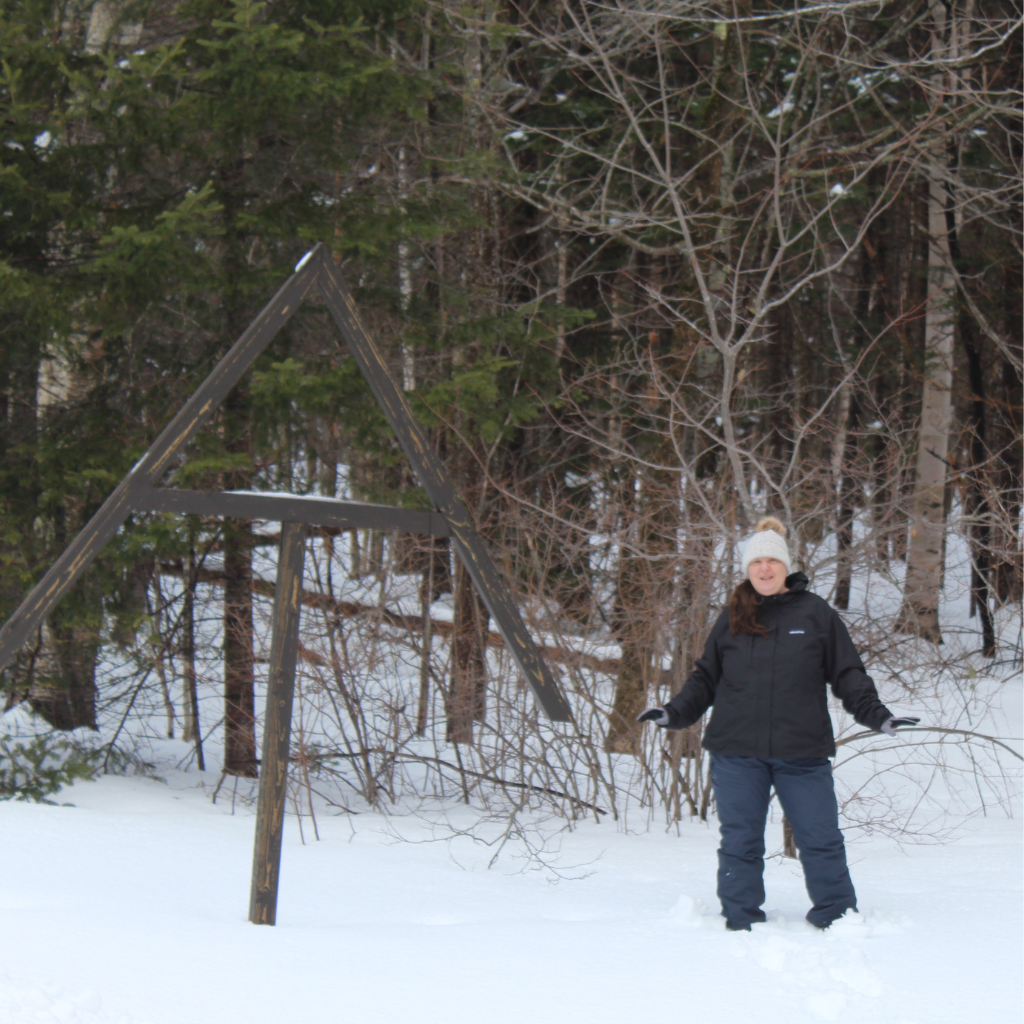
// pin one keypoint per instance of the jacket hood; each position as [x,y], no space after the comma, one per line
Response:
[796,584]
[797,581]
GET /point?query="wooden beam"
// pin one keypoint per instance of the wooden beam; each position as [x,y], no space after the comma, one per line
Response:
[435,480]
[292,508]
[148,471]
[277,725]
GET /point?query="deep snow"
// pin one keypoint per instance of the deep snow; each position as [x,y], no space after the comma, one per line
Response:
[131,907]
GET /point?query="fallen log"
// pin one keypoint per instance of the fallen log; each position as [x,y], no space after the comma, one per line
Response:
[409,623]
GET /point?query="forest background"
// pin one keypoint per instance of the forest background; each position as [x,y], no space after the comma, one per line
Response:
[645,270]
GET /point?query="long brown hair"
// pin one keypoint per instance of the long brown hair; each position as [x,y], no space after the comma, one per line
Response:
[743,608]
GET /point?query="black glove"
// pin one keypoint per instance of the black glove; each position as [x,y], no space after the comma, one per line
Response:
[889,727]
[659,716]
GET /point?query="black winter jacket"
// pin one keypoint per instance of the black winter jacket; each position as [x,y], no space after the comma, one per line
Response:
[768,694]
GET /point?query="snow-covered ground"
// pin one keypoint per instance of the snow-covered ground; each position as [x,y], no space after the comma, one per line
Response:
[131,905]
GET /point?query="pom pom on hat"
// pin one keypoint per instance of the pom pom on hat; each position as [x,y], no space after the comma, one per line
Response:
[771,523]
[768,541]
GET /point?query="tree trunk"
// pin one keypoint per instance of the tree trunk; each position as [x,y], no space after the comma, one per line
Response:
[1008,571]
[636,667]
[847,484]
[239,674]
[1009,567]
[847,508]
[977,504]
[466,702]
[63,684]
[920,612]
[646,574]
[239,678]
[192,729]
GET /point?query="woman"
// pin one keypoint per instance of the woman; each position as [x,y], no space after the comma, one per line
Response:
[764,672]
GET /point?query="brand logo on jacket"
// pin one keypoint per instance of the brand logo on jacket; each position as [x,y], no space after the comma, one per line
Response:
[792,631]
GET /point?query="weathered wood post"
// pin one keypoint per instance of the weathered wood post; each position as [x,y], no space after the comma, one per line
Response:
[277,723]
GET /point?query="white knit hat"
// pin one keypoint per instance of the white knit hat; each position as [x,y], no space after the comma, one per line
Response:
[767,541]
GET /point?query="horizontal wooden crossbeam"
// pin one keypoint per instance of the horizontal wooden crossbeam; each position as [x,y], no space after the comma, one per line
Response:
[291,508]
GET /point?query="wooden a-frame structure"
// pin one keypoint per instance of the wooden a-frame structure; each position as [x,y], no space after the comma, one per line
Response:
[139,492]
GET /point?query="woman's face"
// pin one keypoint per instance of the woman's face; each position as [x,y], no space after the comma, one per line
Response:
[768,575]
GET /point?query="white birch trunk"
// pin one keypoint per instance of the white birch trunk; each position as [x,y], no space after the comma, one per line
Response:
[920,612]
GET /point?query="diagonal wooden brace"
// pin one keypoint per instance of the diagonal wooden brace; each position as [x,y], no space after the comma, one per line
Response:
[434,479]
